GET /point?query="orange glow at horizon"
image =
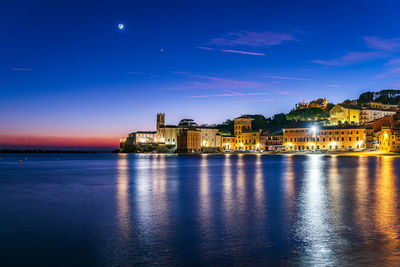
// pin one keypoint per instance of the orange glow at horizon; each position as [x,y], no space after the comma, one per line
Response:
[57,141]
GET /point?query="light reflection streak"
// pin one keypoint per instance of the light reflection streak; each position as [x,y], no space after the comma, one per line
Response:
[387,217]
[289,183]
[335,189]
[227,186]
[361,196]
[159,189]
[205,212]
[123,206]
[259,186]
[314,228]
[241,183]
[143,193]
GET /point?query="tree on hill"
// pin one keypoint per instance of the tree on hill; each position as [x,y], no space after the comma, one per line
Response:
[388,96]
[226,128]
[310,114]
[366,97]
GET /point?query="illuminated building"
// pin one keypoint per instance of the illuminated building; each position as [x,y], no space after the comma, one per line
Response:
[371,114]
[246,138]
[228,143]
[377,105]
[141,137]
[271,141]
[389,135]
[341,114]
[189,140]
[210,139]
[372,131]
[325,138]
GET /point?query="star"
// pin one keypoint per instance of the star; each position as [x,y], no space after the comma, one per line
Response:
[121,26]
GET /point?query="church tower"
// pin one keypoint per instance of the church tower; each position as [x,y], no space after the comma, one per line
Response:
[160,131]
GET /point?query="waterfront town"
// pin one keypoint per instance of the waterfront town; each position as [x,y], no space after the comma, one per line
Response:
[348,126]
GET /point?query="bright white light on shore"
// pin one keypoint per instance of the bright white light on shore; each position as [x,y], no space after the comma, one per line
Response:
[121,26]
[314,129]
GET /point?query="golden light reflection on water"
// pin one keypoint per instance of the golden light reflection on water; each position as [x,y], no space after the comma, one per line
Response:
[123,204]
[387,217]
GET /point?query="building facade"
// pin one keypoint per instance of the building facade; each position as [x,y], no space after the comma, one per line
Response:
[228,143]
[389,135]
[325,138]
[141,137]
[246,138]
[272,142]
[342,114]
[189,141]
[369,114]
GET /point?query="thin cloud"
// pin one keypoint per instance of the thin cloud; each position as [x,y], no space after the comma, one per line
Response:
[393,68]
[350,58]
[285,78]
[228,95]
[231,51]
[242,52]
[21,69]
[137,73]
[376,42]
[333,85]
[212,82]
[253,39]
[206,48]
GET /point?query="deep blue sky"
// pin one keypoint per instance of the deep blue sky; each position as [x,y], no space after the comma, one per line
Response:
[67,70]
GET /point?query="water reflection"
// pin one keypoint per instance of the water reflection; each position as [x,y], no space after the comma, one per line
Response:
[259,187]
[123,203]
[314,222]
[361,194]
[387,217]
[205,212]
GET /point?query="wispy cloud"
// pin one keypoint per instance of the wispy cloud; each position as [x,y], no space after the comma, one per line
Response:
[206,48]
[393,68]
[232,51]
[137,73]
[350,58]
[285,78]
[395,84]
[333,85]
[388,44]
[21,69]
[229,94]
[253,39]
[243,52]
[212,82]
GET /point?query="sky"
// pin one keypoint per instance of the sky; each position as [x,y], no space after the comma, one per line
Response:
[70,77]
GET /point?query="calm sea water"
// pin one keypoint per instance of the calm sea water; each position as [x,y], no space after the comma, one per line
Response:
[124,210]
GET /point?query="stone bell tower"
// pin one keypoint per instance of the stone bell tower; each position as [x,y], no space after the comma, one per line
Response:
[160,123]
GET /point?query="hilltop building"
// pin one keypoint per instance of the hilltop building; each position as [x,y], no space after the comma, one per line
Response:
[341,114]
